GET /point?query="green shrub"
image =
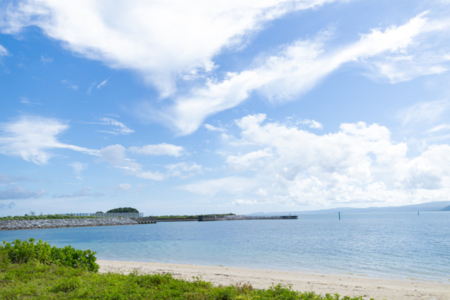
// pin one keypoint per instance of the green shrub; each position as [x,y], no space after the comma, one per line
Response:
[24,251]
[30,270]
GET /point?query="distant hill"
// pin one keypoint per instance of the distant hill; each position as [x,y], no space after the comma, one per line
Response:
[429,206]
[447,208]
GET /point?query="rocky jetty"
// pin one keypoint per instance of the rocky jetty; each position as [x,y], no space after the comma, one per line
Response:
[60,223]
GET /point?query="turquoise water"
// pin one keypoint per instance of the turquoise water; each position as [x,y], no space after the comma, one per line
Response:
[400,245]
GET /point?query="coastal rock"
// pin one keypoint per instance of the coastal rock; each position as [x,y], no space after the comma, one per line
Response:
[59,223]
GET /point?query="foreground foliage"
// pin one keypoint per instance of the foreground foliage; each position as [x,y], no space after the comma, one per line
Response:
[41,252]
[24,274]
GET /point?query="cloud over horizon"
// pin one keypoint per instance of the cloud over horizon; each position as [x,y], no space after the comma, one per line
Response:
[358,164]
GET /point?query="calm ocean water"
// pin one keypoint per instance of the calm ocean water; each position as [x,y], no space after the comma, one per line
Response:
[397,245]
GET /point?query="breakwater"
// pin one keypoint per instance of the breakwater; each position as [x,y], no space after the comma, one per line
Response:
[177,220]
[59,223]
[243,218]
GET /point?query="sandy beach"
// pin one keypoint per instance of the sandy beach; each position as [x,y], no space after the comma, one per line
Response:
[378,289]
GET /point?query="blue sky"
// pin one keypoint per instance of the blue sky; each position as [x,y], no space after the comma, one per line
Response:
[179,107]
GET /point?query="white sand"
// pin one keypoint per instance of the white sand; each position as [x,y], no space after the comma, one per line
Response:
[378,289]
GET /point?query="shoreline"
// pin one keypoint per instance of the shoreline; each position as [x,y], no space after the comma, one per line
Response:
[378,289]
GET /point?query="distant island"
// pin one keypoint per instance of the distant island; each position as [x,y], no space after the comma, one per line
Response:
[423,207]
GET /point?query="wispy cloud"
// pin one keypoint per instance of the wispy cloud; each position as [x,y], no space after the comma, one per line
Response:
[183,169]
[440,127]
[158,149]
[46,60]
[78,168]
[32,138]
[3,51]
[214,128]
[103,83]
[118,127]
[295,70]
[26,101]
[7,179]
[161,41]
[19,192]
[82,193]
[69,84]
[116,156]
[423,112]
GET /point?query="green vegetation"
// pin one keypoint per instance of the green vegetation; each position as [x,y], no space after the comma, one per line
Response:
[30,270]
[44,217]
[191,216]
[123,210]
[41,252]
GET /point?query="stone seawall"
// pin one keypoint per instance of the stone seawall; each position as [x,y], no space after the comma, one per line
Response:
[60,223]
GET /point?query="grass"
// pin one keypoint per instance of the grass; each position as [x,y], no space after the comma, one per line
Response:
[49,279]
[44,217]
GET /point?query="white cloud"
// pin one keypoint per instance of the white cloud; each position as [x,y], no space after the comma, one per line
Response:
[120,128]
[244,202]
[3,51]
[46,60]
[162,41]
[251,160]
[78,168]
[125,187]
[25,100]
[293,71]
[439,128]
[423,112]
[310,123]
[32,138]
[358,164]
[7,179]
[103,83]
[214,128]
[159,149]
[69,84]
[183,169]
[19,192]
[230,185]
[115,155]
[261,192]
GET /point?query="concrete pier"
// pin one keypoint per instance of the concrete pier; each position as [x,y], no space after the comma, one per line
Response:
[145,220]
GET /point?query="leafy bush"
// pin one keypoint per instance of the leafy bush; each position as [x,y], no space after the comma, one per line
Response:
[24,251]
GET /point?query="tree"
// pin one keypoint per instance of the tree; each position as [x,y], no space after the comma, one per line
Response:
[123,210]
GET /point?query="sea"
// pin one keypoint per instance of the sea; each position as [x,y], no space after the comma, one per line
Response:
[377,245]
